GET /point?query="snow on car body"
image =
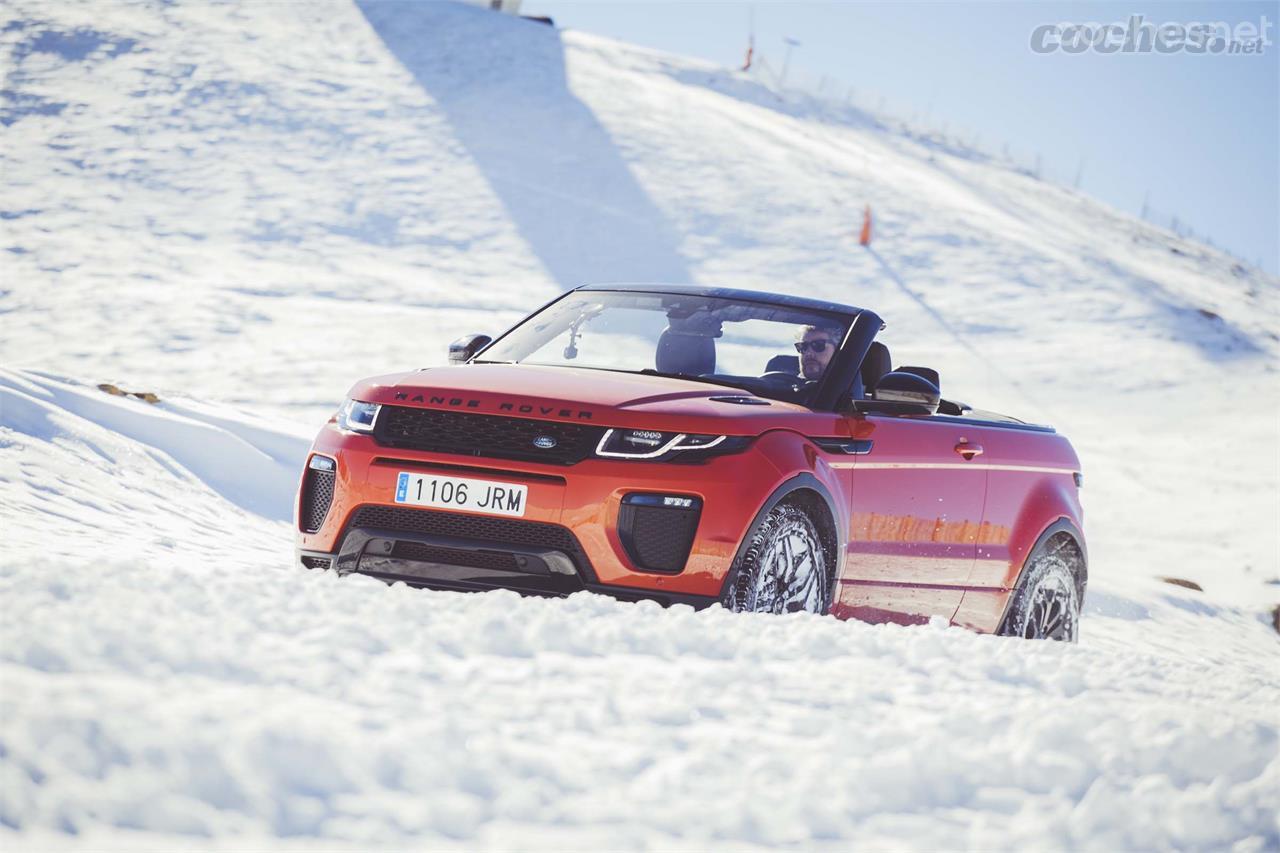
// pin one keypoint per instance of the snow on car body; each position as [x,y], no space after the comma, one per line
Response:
[659,442]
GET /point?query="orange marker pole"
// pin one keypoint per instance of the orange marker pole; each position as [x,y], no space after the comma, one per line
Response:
[864,239]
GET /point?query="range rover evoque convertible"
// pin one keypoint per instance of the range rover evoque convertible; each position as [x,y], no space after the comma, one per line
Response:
[700,445]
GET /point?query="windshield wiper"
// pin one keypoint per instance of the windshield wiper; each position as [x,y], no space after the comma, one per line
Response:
[694,377]
[648,371]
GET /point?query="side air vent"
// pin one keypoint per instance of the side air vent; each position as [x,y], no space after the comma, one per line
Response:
[317,493]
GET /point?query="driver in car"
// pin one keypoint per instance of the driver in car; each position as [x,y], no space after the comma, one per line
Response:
[816,347]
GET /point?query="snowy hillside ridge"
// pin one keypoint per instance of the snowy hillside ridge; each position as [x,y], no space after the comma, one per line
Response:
[244,208]
[248,463]
[760,90]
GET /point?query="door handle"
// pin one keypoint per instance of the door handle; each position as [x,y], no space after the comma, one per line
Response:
[968,451]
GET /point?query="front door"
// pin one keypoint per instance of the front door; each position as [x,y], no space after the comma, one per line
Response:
[916,511]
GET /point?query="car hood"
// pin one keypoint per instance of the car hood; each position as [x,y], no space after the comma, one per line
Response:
[601,397]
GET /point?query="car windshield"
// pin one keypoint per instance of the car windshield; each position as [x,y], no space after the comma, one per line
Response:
[776,351]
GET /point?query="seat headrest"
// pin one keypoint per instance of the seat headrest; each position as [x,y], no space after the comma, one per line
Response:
[784,364]
[876,364]
[680,352]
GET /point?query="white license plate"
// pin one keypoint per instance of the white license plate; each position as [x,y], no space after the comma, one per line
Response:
[461,493]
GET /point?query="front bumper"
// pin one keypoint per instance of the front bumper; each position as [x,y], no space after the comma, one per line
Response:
[415,559]
[567,541]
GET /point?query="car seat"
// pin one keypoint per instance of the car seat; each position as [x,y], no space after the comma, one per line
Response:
[681,352]
[875,365]
[789,364]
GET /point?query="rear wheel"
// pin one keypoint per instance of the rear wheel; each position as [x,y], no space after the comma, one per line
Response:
[1046,603]
[785,568]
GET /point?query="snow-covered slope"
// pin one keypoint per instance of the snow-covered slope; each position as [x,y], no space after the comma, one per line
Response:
[191,683]
[245,207]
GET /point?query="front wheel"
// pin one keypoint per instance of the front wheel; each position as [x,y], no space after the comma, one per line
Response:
[1046,603]
[784,568]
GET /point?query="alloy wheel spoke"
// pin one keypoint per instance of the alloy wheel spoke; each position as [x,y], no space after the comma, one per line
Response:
[1035,619]
[797,578]
[1056,613]
[1046,615]
[804,573]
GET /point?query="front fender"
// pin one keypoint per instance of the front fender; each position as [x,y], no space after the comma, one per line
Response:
[803,471]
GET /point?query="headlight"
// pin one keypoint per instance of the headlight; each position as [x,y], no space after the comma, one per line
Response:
[651,444]
[358,417]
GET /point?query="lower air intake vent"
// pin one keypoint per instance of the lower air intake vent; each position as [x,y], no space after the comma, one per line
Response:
[464,526]
[657,530]
[317,493]
[456,556]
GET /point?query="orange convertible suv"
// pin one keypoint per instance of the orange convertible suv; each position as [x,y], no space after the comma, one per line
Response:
[700,445]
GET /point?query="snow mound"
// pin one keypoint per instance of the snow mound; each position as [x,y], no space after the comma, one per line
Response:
[100,463]
[198,700]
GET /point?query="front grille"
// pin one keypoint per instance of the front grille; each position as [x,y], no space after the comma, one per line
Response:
[317,495]
[657,538]
[432,523]
[468,434]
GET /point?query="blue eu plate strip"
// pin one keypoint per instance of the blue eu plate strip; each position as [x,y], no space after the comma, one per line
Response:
[402,487]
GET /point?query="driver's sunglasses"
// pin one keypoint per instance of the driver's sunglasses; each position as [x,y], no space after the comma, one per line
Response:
[820,345]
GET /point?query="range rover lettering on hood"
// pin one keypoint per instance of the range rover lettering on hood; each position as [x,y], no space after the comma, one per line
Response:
[518,408]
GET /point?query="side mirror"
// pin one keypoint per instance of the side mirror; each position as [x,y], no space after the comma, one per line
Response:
[927,372]
[901,393]
[464,348]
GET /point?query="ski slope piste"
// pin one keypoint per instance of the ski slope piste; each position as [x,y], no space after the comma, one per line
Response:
[242,209]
